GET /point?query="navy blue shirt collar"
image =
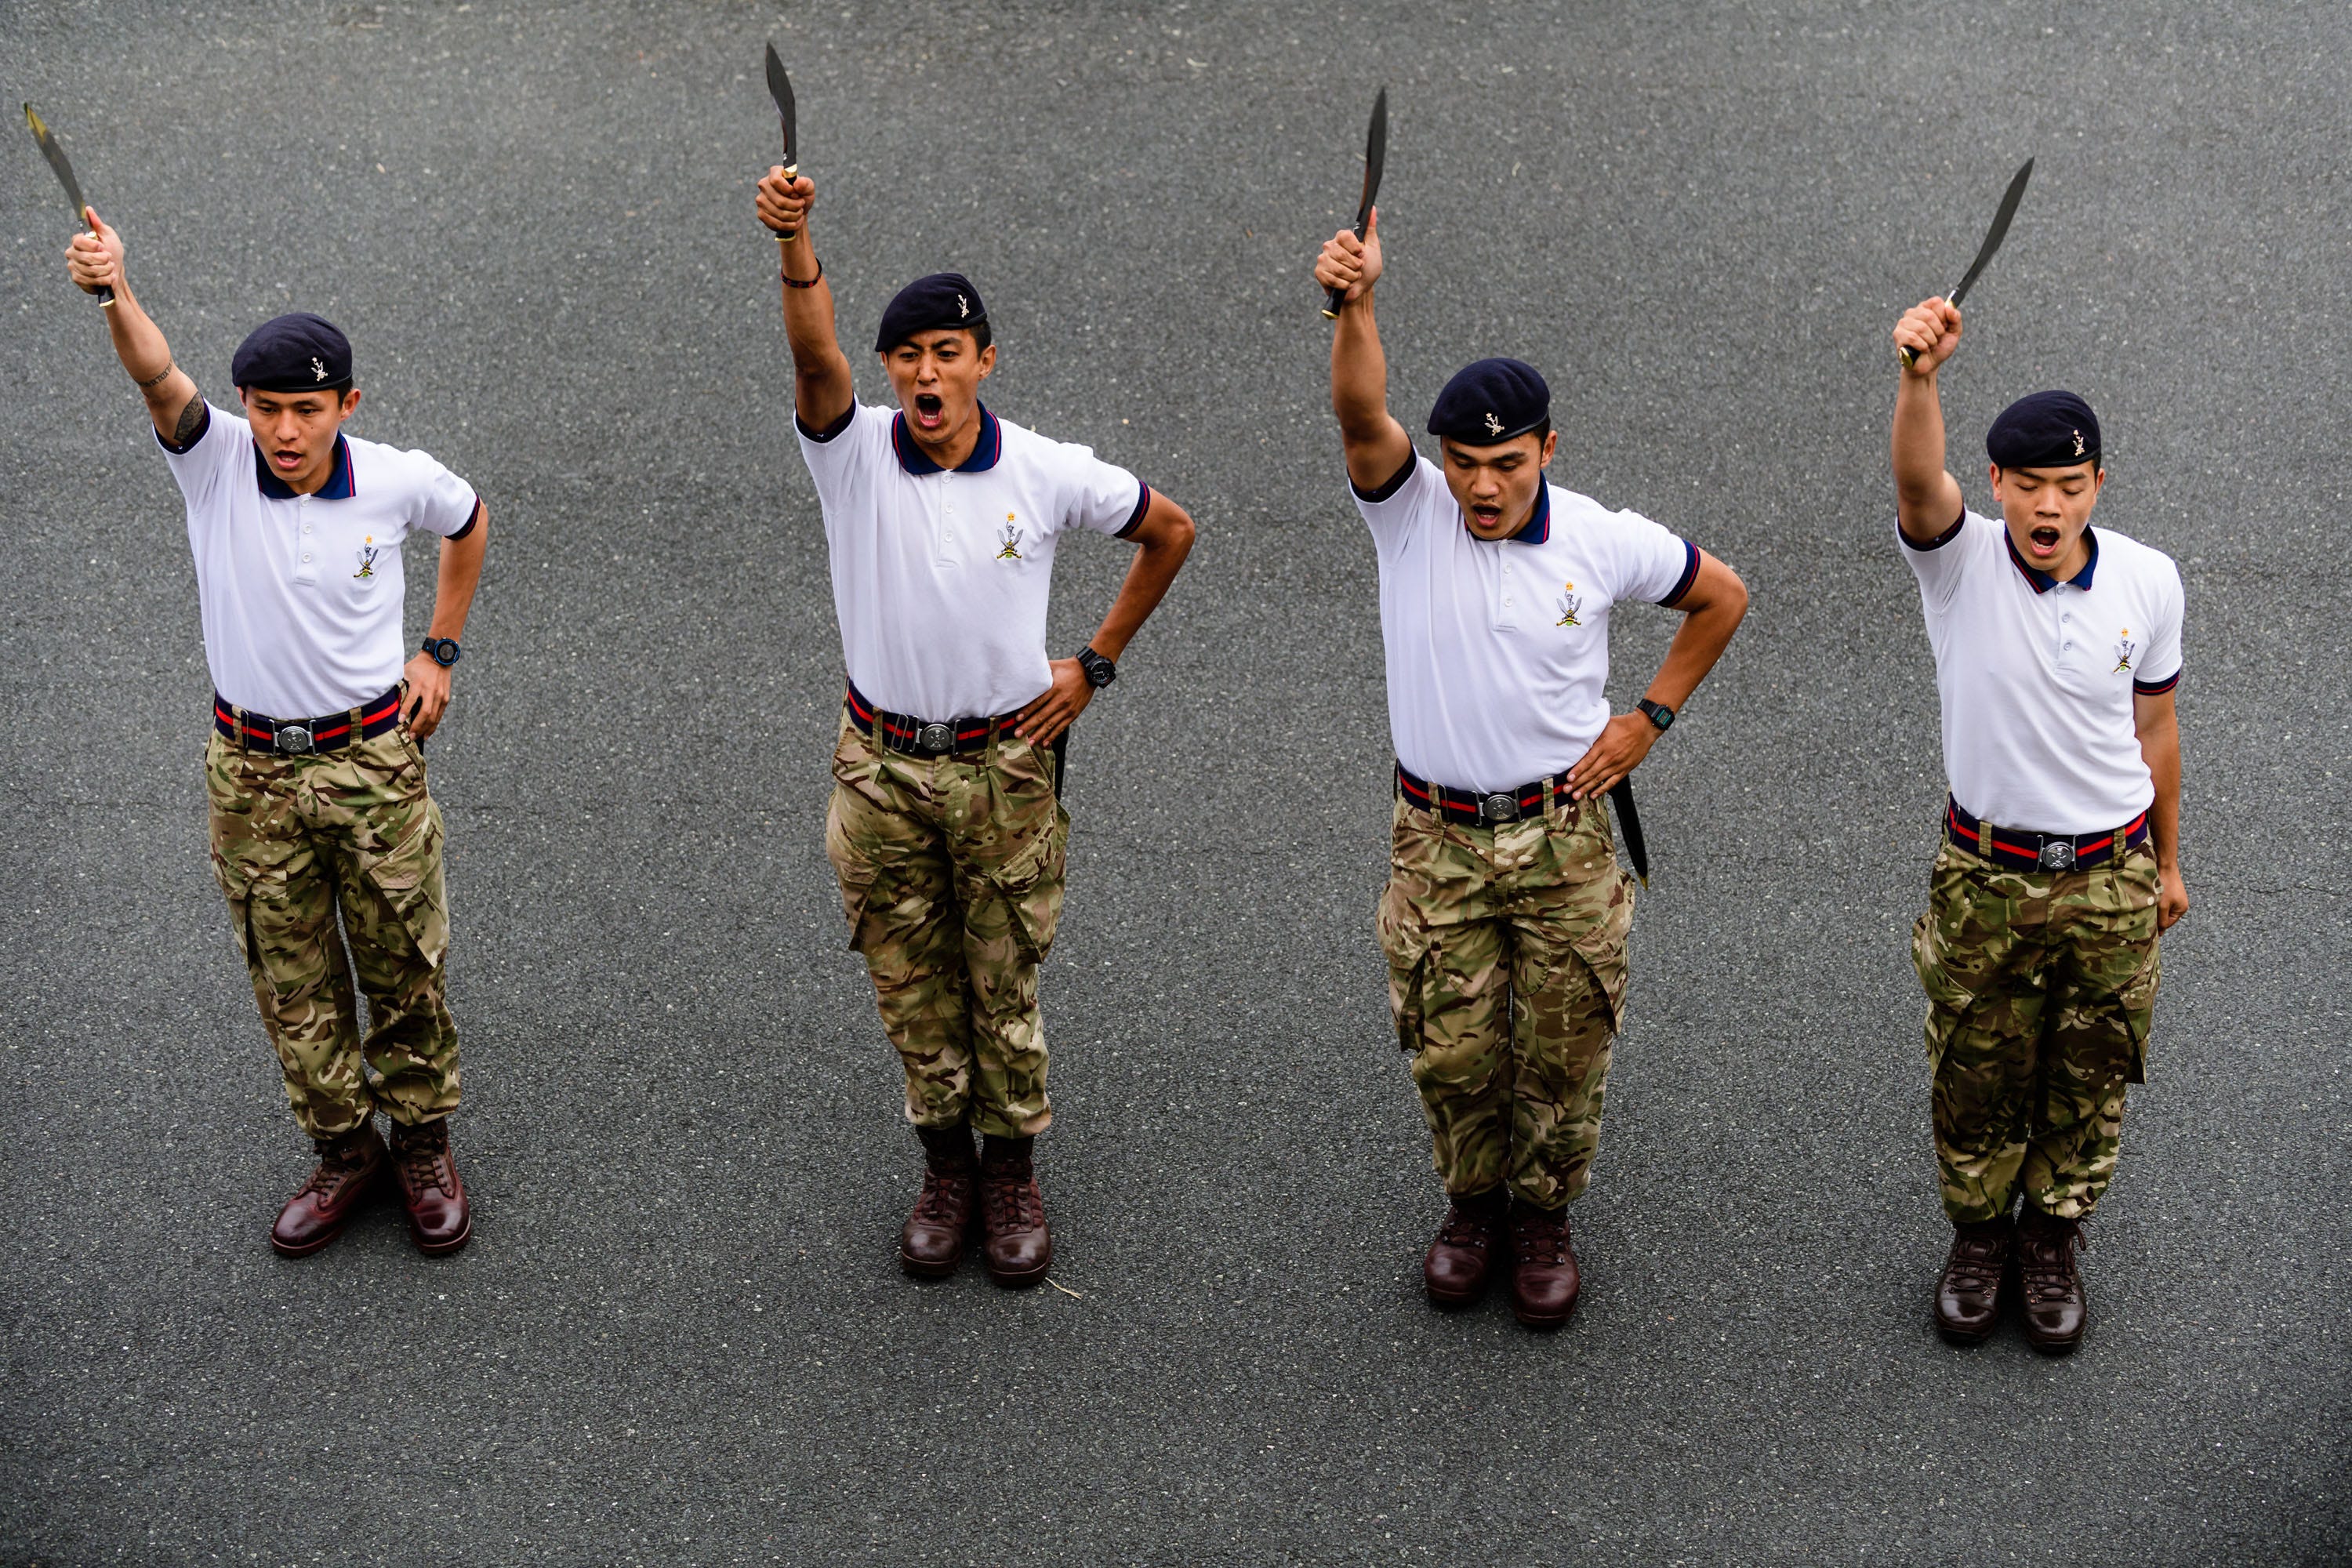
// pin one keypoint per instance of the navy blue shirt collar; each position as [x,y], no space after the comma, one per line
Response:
[984,451]
[2042,582]
[1538,528]
[339,479]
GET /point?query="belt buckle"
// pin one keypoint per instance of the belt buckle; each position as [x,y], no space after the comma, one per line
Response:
[1499,808]
[937,739]
[2057,855]
[294,740]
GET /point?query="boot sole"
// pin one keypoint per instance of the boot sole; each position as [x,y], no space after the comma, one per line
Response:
[307,1248]
[1453,1301]
[1544,1322]
[1024,1280]
[1965,1337]
[2051,1347]
[923,1269]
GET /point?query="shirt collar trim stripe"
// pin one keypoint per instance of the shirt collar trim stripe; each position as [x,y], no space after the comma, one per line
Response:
[2041,581]
[338,486]
[984,452]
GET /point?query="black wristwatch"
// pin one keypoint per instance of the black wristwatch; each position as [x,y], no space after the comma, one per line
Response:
[1100,671]
[1657,713]
[444,651]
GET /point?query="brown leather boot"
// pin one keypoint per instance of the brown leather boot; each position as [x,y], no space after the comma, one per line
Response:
[350,1169]
[2050,1288]
[1968,1298]
[439,1219]
[938,1232]
[1014,1242]
[1460,1259]
[1544,1280]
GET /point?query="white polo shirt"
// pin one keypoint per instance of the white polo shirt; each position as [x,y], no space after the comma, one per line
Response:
[301,595]
[2036,676]
[939,577]
[1498,649]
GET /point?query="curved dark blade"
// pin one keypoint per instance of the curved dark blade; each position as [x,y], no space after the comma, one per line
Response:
[1998,231]
[1376,157]
[780,87]
[1629,822]
[63,172]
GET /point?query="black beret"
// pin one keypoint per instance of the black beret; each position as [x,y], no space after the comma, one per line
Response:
[1491,401]
[944,301]
[2045,430]
[293,353]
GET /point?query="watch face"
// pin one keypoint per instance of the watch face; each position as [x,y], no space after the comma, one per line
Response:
[1101,674]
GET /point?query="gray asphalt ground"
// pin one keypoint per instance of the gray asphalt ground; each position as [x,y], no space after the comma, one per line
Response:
[680,1335]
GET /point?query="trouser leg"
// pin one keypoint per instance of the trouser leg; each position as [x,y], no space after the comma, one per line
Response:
[1009,834]
[281,901]
[1981,959]
[1573,913]
[395,921]
[1452,1006]
[897,889]
[2101,1003]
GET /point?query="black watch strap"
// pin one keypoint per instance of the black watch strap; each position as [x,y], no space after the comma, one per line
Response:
[1100,671]
[1657,713]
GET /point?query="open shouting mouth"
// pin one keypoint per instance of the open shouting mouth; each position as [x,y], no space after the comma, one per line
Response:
[2044,540]
[930,413]
[287,460]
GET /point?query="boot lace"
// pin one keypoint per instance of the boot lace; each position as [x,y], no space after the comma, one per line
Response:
[1541,1239]
[945,1200]
[1976,1261]
[1012,1203]
[422,1165]
[2046,1262]
[1467,1228]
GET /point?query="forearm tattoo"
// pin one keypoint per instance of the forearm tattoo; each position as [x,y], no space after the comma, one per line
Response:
[192,419]
[157,379]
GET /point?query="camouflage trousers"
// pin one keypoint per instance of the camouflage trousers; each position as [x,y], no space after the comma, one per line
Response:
[1506,978]
[950,872]
[2040,988]
[293,840]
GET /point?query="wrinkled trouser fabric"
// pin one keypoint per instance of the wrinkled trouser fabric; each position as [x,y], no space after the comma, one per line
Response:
[2041,987]
[951,872]
[1506,979]
[293,840]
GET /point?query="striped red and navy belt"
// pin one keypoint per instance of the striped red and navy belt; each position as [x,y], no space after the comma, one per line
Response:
[251,732]
[921,737]
[1473,809]
[2014,849]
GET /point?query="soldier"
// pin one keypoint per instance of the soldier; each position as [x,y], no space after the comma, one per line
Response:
[2057,650]
[946,827]
[1506,915]
[313,768]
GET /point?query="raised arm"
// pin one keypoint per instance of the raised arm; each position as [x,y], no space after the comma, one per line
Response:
[1376,445]
[821,388]
[173,405]
[1926,498]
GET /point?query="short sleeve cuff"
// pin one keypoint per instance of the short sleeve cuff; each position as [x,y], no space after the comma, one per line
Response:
[2156,687]
[473,517]
[1142,505]
[203,428]
[1941,539]
[830,431]
[1690,575]
[1395,482]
